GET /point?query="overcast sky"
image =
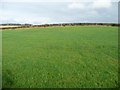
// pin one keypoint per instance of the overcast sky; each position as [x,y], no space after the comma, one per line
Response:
[58,11]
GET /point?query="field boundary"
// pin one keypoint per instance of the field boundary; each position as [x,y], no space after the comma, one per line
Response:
[15,26]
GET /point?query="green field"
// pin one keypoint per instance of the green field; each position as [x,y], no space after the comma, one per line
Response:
[60,57]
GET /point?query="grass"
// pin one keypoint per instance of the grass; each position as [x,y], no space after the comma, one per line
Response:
[61,57]
[0,59]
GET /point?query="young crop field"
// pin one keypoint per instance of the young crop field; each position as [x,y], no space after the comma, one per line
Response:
[60,57]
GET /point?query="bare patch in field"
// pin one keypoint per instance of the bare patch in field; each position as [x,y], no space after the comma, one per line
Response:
[7,26]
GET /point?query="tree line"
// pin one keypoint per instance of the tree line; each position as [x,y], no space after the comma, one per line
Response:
[61,24]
